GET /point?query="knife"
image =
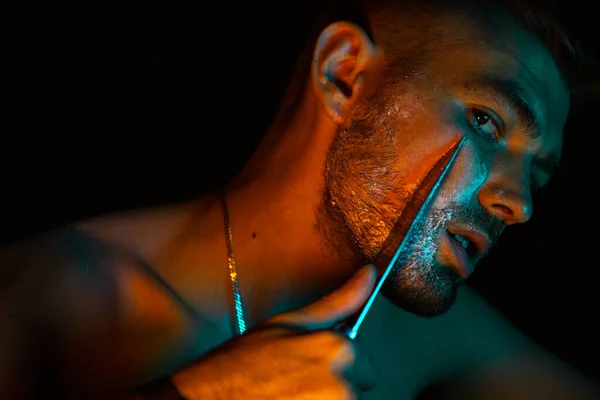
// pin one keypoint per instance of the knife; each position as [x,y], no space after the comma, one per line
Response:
[396,240]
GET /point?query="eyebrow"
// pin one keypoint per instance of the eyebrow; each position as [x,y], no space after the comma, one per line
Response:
[513,94]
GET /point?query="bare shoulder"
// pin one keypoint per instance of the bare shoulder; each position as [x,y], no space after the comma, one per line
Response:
[42,274]
[27,270]
[470,333]
[472,340]
[64,293]
[499,361]
[28,262]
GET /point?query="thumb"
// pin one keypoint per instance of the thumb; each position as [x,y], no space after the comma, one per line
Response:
[336,306]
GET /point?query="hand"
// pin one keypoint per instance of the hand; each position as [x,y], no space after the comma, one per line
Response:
[294,355]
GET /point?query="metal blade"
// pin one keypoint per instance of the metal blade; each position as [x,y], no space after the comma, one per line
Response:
[393,245]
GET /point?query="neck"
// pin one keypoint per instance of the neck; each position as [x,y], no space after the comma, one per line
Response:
[282,261]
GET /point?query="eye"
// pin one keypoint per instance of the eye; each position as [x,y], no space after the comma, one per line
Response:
[484,124]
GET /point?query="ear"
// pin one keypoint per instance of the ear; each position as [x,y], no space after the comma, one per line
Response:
[345,65]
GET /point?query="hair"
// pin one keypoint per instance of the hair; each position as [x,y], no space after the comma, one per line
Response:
[540,18]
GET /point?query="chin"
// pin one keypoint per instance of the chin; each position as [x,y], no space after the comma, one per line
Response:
[424,292]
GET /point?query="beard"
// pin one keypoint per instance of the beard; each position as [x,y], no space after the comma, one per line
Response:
[357,215]
[417,282]
[364,193]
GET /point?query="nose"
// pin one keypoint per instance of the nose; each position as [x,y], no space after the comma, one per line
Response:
[506,192]
[507,201]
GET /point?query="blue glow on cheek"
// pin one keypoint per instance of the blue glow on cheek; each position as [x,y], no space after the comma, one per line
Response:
[466,177]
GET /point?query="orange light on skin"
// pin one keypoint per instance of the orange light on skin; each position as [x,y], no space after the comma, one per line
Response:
[148,317]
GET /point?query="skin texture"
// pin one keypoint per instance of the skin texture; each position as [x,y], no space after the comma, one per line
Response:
[333,173]
[391,138]
[336,169]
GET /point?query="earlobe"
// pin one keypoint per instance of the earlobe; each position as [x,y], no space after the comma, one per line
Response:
[345,61]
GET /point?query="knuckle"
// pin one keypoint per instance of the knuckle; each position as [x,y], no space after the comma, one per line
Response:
[342,351]
[334,348]
[346,348]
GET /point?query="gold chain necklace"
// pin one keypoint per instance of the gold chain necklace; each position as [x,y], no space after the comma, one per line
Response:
[240,327]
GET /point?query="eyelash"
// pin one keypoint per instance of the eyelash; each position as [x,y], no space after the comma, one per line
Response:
[534,184]
[475,126]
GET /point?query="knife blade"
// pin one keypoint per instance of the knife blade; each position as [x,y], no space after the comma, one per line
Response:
[419,202]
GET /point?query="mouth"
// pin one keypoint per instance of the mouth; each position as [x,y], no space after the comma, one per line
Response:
[467,246]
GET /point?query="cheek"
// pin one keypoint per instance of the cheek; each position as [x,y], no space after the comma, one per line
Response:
[420,146]
[466,177]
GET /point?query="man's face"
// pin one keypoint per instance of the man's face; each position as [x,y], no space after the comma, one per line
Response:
[500,90]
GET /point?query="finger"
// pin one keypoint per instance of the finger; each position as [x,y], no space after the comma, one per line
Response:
[336,306]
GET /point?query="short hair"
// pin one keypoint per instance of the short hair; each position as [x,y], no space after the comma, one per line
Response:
[538,17]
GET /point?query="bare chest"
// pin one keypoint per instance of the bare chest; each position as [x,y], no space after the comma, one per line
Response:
[111,325]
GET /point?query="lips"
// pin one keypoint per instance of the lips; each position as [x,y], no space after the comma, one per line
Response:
[480,241]
[457,256]
[465,245]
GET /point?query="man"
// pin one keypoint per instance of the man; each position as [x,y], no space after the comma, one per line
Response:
[101,307]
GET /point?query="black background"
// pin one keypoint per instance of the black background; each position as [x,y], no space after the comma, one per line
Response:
[109,106]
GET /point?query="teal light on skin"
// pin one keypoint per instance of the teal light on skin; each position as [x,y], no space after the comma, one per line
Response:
[423,275]
[353,331]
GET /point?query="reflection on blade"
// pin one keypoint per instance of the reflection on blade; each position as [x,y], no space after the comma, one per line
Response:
[393,245]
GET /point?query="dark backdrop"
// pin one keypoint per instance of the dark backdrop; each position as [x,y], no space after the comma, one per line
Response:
[108,106]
